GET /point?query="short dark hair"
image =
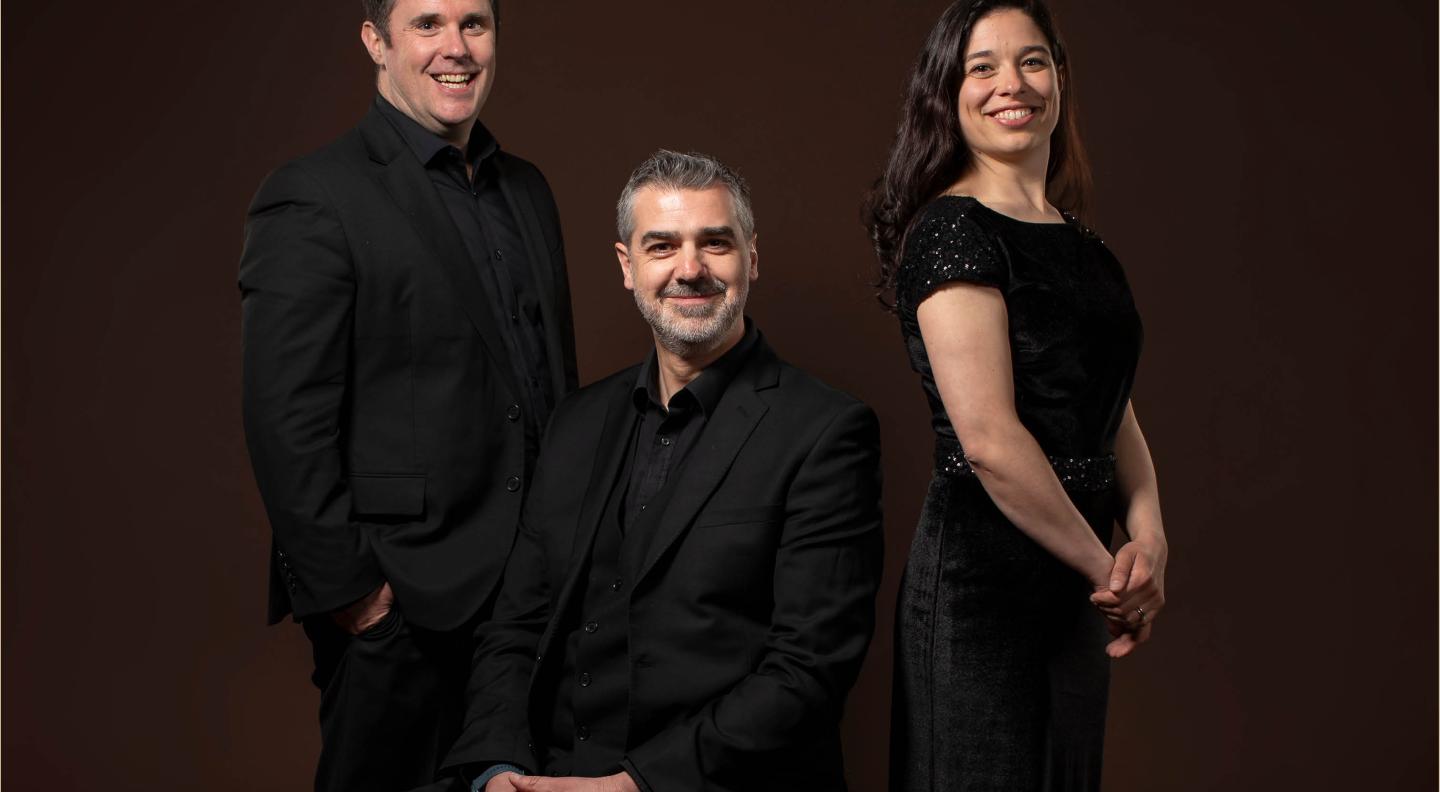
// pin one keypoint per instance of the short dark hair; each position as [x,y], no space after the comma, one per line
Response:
[377,13]
[671,170]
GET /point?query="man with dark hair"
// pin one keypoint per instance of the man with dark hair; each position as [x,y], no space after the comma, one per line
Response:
[407,331]
[692,590]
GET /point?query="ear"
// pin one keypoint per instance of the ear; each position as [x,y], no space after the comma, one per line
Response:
[623,253]
[754,258]
[374,42]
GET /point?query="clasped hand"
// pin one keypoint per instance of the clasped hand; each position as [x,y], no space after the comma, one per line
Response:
[514,782]
[1134,595]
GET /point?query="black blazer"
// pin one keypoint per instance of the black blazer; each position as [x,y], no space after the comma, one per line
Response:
[754,606]
[380,407]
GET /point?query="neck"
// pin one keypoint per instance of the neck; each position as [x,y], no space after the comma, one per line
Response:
[679,367]
[456,136]
[1018,184]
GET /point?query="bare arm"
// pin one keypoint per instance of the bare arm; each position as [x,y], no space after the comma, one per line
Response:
[966,331]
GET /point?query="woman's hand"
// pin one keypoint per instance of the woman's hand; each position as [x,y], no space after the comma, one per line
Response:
[1135,594]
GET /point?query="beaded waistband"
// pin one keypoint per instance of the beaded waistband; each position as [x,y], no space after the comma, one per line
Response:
[1079,474]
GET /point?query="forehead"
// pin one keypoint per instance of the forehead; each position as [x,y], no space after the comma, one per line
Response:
[674,209]
[1005,28]
[404,10]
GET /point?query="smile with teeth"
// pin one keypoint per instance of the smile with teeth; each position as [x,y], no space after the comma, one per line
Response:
[453,79]
[1015,114]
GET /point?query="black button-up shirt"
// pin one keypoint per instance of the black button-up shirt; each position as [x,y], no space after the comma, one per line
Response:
[477,205]
[591,695]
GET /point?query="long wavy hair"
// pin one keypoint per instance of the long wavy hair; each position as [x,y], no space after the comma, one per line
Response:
[930,153]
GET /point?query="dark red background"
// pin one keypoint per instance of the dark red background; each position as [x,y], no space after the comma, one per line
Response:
[1266,171]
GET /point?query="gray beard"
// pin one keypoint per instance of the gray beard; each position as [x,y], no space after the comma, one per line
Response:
[685,340]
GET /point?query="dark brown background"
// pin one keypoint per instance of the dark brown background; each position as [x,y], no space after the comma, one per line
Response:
[1267,176]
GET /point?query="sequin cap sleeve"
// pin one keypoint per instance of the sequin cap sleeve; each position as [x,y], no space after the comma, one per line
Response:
[947,245]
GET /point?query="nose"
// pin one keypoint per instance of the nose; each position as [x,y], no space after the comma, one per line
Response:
[690,266]
[453,43]
[1011,82]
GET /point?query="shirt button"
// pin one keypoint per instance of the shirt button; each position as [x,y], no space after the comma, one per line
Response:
[584,680]
[513,484]
[499,255]
[513,413]
[642,507]
[591,627]
[583,732]
[664,440]
[617,585]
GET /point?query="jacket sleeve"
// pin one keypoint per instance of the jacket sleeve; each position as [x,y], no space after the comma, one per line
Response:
[297,287]
[827,570]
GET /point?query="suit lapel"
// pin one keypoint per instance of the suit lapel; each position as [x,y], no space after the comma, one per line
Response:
[725,434]
[411,189]
[527,217]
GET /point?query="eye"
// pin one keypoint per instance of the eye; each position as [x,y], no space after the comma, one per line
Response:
[659,248]
[981,69]
[718,244]
[1034,62]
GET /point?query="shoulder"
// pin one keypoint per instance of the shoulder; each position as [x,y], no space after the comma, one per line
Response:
[584,404]
[952,239]
[327,171]
[805,404]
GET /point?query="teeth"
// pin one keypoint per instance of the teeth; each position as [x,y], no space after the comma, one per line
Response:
[453,78]
[1014,115]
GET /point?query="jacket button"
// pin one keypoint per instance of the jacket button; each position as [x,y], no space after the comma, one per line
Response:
[513,483]
[583,732]
[584,680]
[513,413]
[539,657]
[617,584]
[591,627]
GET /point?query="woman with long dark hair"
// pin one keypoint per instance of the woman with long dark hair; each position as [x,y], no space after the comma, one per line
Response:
[1022,328]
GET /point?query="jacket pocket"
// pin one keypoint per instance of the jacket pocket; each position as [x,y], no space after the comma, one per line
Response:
[737,516]
[393,496]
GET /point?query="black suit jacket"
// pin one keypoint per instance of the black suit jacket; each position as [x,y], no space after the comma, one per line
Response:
[381,412]
[755,602]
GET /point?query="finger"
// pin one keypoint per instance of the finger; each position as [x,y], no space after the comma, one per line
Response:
[1121,646]
[1104,598]
[1143,634]
[1124,562]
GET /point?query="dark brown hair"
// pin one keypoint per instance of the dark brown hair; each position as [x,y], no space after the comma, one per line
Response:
[377,13]
[930,154]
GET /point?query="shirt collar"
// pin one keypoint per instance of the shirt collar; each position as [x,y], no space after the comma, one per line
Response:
[426,144]
[705,389]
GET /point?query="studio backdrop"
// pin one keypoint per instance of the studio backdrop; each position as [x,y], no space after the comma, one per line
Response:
[1265,171]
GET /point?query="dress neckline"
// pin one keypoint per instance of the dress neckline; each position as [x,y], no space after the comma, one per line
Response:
[1069,220]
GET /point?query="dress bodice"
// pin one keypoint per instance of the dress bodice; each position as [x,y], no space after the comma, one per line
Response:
[1074,333]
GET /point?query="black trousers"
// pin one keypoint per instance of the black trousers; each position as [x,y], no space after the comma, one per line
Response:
[392,700]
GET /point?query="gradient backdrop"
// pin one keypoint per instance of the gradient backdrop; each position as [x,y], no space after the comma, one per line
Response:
[1266,172]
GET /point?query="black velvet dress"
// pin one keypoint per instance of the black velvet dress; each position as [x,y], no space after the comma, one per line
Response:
[1001,676]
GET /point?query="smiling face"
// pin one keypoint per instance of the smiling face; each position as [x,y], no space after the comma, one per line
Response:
[689,265]
[1009,99]
[437,63]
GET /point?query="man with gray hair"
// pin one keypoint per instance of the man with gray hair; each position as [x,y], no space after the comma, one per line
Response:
[692,590]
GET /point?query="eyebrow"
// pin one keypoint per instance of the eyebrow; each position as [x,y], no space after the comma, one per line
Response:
[1023,51]
[672,236]
[480,17]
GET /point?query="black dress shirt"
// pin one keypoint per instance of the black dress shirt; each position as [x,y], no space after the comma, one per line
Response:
[590,701]
[482,215]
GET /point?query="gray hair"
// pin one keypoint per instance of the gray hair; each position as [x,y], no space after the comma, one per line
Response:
[672,170]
